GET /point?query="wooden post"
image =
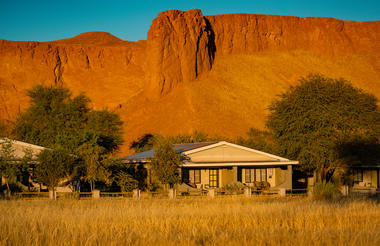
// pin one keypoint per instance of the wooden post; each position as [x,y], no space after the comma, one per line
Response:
[344,190]
[149,176]
[52,195]
[95,194]
[136,193]
[172,193]
[289,176]
[235,174]
[282,192]
[248,191]
[211,193]
[310,191]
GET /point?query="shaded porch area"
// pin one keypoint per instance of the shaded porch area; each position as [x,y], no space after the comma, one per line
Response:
[257,177]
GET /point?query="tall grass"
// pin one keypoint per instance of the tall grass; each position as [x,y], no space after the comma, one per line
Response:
[227,221]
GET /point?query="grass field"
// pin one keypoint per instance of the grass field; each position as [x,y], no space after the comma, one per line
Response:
[227,221]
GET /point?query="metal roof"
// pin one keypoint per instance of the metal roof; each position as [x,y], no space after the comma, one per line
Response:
[144,156]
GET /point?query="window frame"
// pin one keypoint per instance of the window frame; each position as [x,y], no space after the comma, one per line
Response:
[216,180]
[248,173]
[197,178]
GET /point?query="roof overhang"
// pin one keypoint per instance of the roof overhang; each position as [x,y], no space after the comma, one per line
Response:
[239,164]
[136,161]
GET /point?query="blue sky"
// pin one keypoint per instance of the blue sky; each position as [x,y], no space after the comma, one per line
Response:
[43,20]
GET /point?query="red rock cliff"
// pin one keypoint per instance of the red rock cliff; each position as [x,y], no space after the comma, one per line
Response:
[249,33]
[180,47]
[217,74]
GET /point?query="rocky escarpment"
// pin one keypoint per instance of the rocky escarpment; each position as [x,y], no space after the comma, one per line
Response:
[249,33]
[217,73]
[180,47]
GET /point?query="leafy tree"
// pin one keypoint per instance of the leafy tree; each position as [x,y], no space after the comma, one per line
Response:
[10,166]
[165,163]
[53,166]
[313,121]
[106,126]
[53,118]
[144,143]
[260,140]
[56,120]
[194,137]
[93,157]
[126,181]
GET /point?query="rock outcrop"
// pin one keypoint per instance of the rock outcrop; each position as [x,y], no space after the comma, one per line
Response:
[180,47]
[217,74]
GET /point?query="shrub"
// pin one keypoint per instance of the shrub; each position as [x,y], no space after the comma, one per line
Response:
[126,182]
[235,186]
[326,191]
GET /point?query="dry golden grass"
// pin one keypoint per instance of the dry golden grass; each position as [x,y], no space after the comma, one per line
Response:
[227,221]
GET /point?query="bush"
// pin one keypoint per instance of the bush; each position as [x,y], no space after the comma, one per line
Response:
[126,182]
[326,191]
[237,186]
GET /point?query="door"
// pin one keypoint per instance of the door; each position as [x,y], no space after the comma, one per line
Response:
[214,178]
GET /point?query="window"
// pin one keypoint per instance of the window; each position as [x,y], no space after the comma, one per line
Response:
[248,178]
[214,178]
[197,176]
[191,176]
[185,176]
[255,174]
[258,174]
[358,175]
[263,174]
[270,173]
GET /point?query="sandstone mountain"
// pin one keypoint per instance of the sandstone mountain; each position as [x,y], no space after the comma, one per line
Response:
[217,74]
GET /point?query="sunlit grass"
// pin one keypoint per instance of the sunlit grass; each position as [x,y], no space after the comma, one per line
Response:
[227,221]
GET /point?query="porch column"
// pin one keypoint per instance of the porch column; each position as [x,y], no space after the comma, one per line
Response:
[289,175]
[235,174]
[148,176]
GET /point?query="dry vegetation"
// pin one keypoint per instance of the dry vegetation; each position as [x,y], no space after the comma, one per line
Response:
[227,221]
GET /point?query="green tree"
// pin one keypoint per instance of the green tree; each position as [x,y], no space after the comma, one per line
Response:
[55,119]
[10,166]
[126,181]
[9,169]
[144,143]
[312,121]
[54,166]
[259,139]
[93,158]
[193,137]
[106,126]
[166,162]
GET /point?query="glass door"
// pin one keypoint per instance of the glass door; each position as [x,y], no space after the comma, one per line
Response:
[214,178]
